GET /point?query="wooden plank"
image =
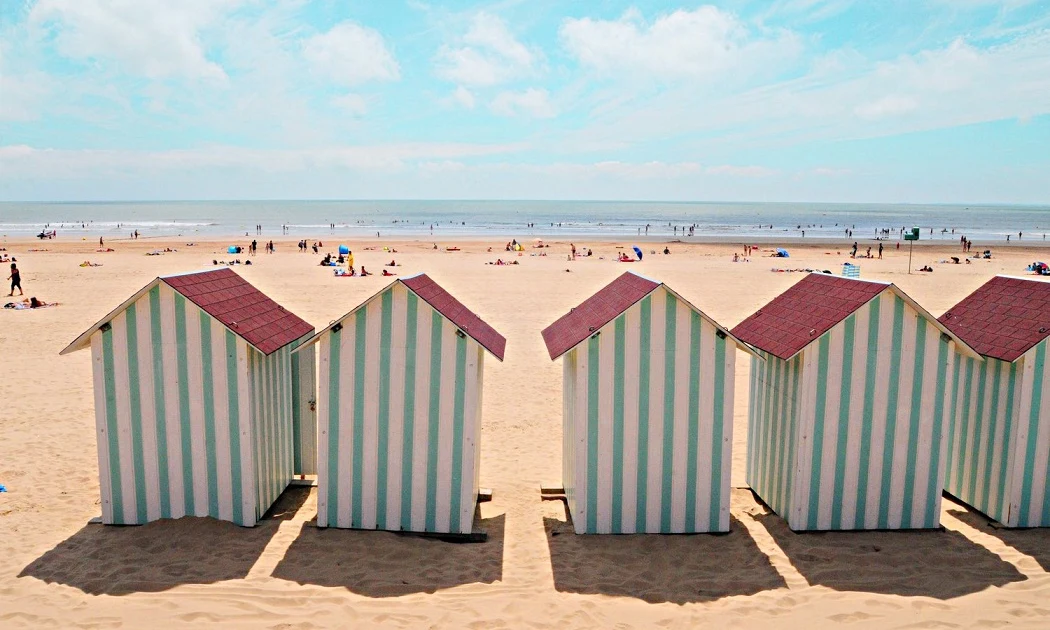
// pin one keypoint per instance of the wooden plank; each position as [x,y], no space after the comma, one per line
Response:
[552,491]
[484,495]
[309,482]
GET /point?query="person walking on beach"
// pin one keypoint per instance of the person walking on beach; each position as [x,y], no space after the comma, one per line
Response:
[880,251]
[853,254]
[16,280]
[100,244]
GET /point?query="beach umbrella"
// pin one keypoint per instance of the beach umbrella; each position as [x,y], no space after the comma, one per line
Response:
[783,253]
[344,250]
[638,252]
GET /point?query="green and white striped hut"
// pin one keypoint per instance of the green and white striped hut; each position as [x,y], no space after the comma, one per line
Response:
[647,406]
[399,410]
[999,441]
[199,410]
[849,411]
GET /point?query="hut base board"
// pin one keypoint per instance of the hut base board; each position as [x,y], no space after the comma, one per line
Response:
[304,483]
[484,495]
[552,491]
[478,536]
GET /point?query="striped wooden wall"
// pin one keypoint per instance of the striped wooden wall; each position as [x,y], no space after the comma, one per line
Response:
[271,380]
[772,442]
[1032,474]
[304,418]
[981,435]
[874,405]
[648,408]
[398,419]
[172,414]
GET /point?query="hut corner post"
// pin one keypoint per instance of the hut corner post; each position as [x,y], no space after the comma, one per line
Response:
[569,445]
[806,401]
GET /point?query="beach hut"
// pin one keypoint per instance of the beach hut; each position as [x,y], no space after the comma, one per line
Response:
[999,441]
[849,408]
[399,410]
[647,407]
[195,400]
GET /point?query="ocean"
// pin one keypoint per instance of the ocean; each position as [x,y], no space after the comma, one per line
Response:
[519,219]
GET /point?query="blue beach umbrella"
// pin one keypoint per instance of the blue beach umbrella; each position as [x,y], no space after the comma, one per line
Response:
[638,252]
[783,253]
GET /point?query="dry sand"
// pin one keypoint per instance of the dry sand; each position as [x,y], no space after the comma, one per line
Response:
[58,571]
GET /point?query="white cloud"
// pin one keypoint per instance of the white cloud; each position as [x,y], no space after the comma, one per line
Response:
[464,97]
[741,171]
[488,54]
[151,38]
[353,104]
[886,106]
[682,44]
[533,102]
[350,54]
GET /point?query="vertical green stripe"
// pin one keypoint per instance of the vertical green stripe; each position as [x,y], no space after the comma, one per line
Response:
[752,409]
[848,343]
[233,410]
[892,395]
[788,471]
[773,418]
[112,428]
[818,430]
[159,404]
[950,461]
[667,461]
[939,422]
[964,435]
[383,440]
[297,416]
[408,441]
[135,398]
[182,364]
[619,366]
[693,438]
[1002,509]
[643,412]
[993,425]
[864,463]
[360,343]
[334,477]
[434,419]
[915,421]
[593,357]
[716,437]
[210,445]
[457,489]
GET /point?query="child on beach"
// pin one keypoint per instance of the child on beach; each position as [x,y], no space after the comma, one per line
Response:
[16,280]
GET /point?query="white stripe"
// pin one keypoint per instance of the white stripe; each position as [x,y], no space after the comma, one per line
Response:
[247,435]
[580,463]
[705,437]
[172,415]
[985,439]
[370,424]
[832,400]
[606,371]
[98,375]
[884,370]
[683,350]
[448,406]
[199,439]
[422,419]
[223,460]
[1042,451]
[799,514]
[997,445]
[143,329]
[1024,408]
[324,479]
[728,401]
[631,364]
[906,379]
[347,400]
[471,437]
[927,422]
[657,368]
[396,408]
[969,443]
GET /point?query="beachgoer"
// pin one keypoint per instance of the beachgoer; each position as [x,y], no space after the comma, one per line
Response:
[880,251]
[100,244]
[16,280]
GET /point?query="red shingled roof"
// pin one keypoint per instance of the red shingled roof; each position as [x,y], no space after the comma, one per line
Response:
[804,312]
[595,312]
[451,308]
[1002,319]
[241,307]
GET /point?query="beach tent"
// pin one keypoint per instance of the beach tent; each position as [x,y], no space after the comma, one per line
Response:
[638,252]
[199,408]
[783,253]
[647,407]
[999,441]
[400,411]
[848,411]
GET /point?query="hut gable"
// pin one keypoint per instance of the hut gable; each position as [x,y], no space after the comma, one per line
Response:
[803,313]
[230,299]
[453,310]
[1004,318]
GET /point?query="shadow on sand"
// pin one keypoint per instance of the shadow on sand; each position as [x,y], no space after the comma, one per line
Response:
[942,564]
[1033,542]
[108,560]
[388,564]
[679,568]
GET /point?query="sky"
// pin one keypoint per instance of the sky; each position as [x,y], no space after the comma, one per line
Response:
[912,101]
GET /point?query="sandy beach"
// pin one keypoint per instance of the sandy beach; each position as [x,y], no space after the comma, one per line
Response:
[56,570]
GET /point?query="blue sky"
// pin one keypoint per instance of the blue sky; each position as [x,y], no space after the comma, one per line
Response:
[790,100]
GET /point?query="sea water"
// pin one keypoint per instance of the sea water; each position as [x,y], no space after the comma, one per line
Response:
[533,219]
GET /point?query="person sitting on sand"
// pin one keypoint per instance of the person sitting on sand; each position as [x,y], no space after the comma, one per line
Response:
[387,273]
[363,272]
[736,257]
[392,263]
[35,303]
